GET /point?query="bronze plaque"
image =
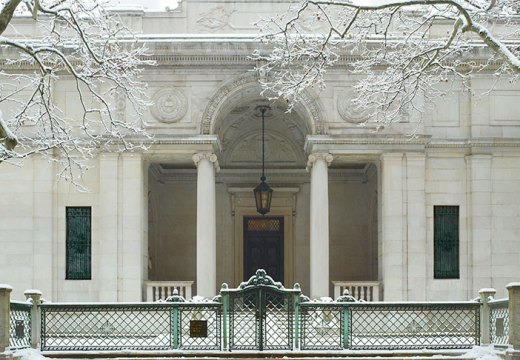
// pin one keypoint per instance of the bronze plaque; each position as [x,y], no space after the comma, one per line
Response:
[198,328]
[19,328]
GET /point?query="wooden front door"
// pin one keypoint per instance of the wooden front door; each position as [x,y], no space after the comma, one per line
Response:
[263,246]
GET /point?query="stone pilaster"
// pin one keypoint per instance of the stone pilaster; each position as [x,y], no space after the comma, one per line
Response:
[131,235]
[479,189]
[415,238]
[207,164]
[108,228]
[393,225]
[319,224]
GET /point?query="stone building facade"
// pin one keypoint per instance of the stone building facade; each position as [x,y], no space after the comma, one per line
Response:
[351,203]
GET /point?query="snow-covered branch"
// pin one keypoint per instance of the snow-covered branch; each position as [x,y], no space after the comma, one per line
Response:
[85,48]
[401,49]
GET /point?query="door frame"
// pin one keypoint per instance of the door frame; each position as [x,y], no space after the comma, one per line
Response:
[283,205]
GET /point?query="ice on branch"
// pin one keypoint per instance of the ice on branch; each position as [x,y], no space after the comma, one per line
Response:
[402,53]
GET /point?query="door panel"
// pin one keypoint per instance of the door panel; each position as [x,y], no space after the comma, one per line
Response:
[263,246]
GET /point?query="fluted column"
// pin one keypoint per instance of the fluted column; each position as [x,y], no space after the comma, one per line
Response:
[319,227]
[206,224]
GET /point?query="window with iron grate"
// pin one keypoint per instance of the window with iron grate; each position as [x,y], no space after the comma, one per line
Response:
[263,224]
[78,243]
[446,242]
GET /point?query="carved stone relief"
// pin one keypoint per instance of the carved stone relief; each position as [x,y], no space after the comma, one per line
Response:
[349,111]
[216,18]
[170,105]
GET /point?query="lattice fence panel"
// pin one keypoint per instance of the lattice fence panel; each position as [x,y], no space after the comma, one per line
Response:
[106,327]
[499,322]
[414,326]
[321,327]
[211,316]
[20,325]
[278,321]
[243,324]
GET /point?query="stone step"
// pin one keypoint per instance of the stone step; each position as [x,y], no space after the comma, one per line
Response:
[250,355]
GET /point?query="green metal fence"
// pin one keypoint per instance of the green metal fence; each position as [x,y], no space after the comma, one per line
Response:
[499,321]
[262,315]
[20,325]
[413,325]
[138,326]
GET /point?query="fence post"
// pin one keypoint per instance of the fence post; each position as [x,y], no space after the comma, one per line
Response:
[36,297]
[225,306]
[485,296]
[5,317]
[514,321]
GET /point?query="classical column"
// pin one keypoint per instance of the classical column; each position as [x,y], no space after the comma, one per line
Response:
[206,224]
[319,228]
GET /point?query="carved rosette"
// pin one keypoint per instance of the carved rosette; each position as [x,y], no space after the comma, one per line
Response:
[348,110]
[212,158]
[170,105]
[319,156]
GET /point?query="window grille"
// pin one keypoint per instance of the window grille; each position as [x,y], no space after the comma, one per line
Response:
[263,224]
[78,243]
[446,242]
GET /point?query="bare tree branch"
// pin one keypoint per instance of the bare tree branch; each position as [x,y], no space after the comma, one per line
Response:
[83,43]
[394,48]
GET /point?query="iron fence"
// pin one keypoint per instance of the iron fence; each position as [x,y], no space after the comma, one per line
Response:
[199,326]
[499,321]
[137,326]
[413,325]
[20,325]
[322,326]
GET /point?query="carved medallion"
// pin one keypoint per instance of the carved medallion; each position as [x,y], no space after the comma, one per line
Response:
[349,111]
[170,105]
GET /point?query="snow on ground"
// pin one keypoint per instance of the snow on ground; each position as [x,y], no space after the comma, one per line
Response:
[477,353]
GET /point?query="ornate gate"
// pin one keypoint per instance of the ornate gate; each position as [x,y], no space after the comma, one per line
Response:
[260,314]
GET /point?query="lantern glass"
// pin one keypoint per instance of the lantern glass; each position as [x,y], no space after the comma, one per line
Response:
[263,197]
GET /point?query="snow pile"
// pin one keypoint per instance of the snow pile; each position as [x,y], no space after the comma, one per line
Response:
[30,354]
[482,353]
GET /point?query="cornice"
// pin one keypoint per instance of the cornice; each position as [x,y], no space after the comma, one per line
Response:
[401,140]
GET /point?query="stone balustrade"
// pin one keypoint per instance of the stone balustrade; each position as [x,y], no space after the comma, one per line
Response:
[160,290]
[361,290]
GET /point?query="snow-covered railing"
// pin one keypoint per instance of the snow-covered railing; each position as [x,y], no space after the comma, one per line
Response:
[131,326]
[499,321]
[20,322]
[389,326]
[160,290]
[262,315]
[361,290]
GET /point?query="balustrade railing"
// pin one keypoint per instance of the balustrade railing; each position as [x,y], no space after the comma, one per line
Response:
[361,290]
[160,290]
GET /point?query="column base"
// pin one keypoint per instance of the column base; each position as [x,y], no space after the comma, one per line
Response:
[512,354]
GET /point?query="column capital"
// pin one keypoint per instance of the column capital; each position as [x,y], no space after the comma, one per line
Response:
[211,157]
[327,157]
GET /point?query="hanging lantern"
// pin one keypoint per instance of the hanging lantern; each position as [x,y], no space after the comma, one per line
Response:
[263,192]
